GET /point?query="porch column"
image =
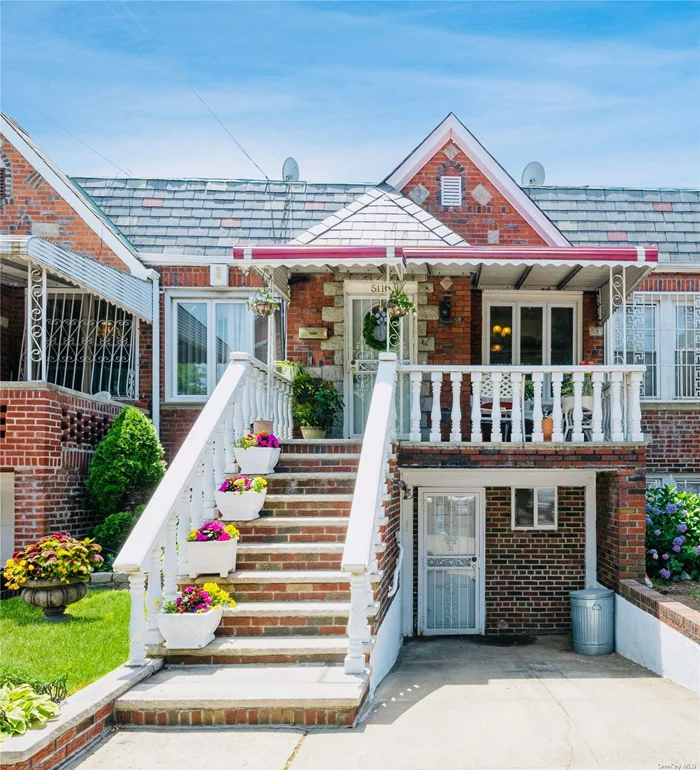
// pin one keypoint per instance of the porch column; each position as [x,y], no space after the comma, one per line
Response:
[36,365]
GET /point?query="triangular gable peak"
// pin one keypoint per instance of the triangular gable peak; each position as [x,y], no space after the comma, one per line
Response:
[42,201]
[492,209]
[381,217]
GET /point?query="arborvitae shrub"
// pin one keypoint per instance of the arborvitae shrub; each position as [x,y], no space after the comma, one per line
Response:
[127,465]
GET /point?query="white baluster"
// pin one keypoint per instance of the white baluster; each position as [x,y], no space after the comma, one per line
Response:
[577,434]
[154,595]
[634,408]
[197,504]
[290,416]
[358,628]
[170,561]
[279,410]
[597,419]
[208,484]
[260,395]
[252,396]
[516,415]
[219,452]
[183,529]
[616,407]
[229,438]
[137,620]
[416,379]
[537,435]
[248,399]
[557,431]
[496,407]
[436,411]
[456,416]
[476,407]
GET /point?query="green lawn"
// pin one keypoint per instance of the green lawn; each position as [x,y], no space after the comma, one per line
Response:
[93,641]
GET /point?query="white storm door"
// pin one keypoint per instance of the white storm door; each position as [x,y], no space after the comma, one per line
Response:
[450,597]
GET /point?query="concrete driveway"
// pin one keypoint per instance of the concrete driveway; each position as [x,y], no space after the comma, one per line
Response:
[457,704]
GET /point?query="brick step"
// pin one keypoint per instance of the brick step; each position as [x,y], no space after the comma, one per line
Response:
[310,696]
[322,446]
[283,585]
[281,556]
[306,461]
[307,505]
[315,483]
[268,650]
[294,529]
[323,618]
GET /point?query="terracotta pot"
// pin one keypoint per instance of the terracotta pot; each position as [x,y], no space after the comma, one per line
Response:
[189,630]
[262,426]
[239,506]
[309,432]
[547,428]
[53,596]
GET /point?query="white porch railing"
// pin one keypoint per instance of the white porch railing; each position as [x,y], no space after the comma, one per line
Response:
[495,396]
[363,540]
[184,499]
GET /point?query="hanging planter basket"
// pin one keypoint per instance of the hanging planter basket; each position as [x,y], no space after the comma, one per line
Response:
[396,311]
[263,309]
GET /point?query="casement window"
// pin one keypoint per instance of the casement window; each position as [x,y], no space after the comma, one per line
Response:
[204,334]
[532,331]
[534,508]
[662,331]
[451,191]
[688,483]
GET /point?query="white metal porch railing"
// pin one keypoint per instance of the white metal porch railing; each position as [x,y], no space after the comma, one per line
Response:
[495,396]
[184,500]
[363,539]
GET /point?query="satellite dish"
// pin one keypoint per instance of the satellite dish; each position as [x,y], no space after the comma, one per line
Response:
[533,174]
[290,170]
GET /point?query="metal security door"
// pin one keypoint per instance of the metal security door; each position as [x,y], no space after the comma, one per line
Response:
[362,361]
[450,597]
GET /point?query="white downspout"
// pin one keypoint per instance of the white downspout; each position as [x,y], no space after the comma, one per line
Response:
[154,276]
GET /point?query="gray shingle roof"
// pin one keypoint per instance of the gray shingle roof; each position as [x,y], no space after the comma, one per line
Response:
[208,216]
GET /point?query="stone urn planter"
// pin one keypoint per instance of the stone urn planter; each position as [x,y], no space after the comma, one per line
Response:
[189,630]
[53,596]
[567,403]
[257,460]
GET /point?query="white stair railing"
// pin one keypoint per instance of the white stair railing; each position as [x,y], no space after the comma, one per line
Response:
[367,512]
[184,499]
[609,412]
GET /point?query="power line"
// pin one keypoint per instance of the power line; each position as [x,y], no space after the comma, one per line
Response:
[191,87]
[77,138]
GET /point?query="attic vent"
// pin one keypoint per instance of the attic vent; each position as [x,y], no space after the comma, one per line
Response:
[451,190]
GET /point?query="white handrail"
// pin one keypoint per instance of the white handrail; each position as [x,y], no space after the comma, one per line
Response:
[363,539]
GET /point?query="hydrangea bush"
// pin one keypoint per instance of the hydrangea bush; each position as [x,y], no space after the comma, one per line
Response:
[673,534]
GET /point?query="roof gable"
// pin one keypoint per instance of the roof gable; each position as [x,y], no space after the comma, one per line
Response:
[73,195]
[453,131]
[381,217]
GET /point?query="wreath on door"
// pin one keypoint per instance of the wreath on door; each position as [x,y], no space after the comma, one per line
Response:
[374,328]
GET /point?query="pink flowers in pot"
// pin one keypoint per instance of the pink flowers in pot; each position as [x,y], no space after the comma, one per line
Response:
[240,484]
[263,440]
[213,531]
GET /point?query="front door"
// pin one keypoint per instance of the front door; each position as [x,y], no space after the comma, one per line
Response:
[367,321]
[450,564]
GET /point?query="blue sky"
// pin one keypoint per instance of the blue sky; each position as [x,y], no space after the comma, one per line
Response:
[600,93]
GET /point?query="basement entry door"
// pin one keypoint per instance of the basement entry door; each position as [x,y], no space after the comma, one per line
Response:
[450,558]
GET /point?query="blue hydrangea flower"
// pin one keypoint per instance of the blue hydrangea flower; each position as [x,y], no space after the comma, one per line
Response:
[678,540]
[682,527]
[665,556]
[657,532]
[656,511]
[648,519]
[647,508]
[653,551]
[665,574]
[676,549]
[671,508]
[697,548]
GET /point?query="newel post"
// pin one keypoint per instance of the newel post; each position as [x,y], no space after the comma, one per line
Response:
[358,628]
[137,620]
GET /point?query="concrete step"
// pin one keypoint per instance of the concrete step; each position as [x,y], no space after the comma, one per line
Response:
[237,650]
[309,461]
[285,618]
[323,446]
[290,556]
[312,695]
[299,505]
[293,529]
[315,483]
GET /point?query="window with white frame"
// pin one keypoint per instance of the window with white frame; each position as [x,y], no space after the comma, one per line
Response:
[451,191]
[534,508]
[689,483]
[205,332]
[662,331]
[533,331]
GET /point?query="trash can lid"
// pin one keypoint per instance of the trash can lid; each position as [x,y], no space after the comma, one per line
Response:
[591,593]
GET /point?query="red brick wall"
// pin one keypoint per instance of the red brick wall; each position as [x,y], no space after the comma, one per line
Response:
[471,220]
[593,339]
[306,305]
[175,423]
[49,438]
[388,559]
[670,282]
[674,437]
[33,201]
[528,573]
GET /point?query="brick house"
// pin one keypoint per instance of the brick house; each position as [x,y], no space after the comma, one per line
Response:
[455,515]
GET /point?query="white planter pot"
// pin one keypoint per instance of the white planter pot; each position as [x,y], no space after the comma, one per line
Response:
[567,403]
[308,432]
[189,631]
[234,506]
[216,557]
[257,460]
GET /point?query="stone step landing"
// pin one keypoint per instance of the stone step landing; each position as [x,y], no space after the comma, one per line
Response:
[308,696]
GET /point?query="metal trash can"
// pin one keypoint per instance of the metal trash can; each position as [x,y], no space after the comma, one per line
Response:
[593,621]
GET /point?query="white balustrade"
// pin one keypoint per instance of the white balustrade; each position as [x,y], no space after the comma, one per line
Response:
[516,414]
[496,407]
[184,499]
[557,431]
[597,418]
[476,406]
[537,435]
[456,414]
[577,434]
[436,413]
[416,379]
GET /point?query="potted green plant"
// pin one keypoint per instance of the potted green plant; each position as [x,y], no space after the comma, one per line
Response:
[241,498]
[263,303]
[53,572]
[189,622]
[315,404]
[567,391]
[211,549]
[399,303]
[547,425]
